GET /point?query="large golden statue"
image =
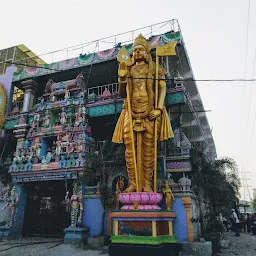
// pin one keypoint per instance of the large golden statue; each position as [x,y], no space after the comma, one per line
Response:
[2,106]
[142,113]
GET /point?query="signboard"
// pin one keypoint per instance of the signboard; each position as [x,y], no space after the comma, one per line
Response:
[44,176]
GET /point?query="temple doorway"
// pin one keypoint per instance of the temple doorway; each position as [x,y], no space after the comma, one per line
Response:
[46,213]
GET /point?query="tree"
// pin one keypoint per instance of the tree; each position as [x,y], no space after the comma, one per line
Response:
[254,204]
[218,182]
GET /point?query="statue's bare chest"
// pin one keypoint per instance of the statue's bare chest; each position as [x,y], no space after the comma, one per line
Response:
[139,75]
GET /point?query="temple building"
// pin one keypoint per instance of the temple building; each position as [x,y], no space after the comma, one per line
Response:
[63,113]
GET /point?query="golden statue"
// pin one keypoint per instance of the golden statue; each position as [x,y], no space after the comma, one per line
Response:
[169,196]
[2,106]
[142,113]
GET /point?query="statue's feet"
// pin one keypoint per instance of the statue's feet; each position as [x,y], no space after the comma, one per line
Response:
[131,188]
[147,188]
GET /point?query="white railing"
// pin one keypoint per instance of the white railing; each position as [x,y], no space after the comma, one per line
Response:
[107,42]
[104,91]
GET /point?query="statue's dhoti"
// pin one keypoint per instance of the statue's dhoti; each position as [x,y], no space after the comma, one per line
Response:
[143,130]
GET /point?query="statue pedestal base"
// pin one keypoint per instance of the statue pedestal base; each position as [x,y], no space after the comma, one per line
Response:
[151,231]
[76,236]
[144,201]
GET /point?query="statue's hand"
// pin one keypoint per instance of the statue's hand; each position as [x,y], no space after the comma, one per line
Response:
[154,114]
[122,70]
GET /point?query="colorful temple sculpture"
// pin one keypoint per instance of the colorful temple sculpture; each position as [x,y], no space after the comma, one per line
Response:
[100,144]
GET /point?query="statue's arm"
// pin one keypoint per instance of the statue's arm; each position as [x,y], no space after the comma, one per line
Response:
[122,82]
[122,79]
[161,92]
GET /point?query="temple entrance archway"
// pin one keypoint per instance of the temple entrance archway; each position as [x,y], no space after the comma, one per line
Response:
[46,214]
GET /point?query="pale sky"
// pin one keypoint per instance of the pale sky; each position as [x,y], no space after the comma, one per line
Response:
[215,34]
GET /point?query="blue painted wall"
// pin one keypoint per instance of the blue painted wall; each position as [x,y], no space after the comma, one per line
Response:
[180,224]
[92,215]
[17,227]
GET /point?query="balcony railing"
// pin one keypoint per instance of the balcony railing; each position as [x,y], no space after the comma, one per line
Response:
[94,94]
[103,92]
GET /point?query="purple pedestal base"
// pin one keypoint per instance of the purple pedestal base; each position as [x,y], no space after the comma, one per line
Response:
[143,200]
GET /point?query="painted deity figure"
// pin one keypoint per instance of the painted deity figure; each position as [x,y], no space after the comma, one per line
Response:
[83,112]
[52,97]
[70,148]
[27,143]
[37,147]
[139,77]
[67,202]
[13,166]
[58,149]
[80,160]
[79,118]
[67,94]
[79,147]
[48,86]
[28,165]
[168,196]
[41,103]
[48,157]
[12,202]
[43,161]
[63,117]
[76,206]
[62,163]
[47,119]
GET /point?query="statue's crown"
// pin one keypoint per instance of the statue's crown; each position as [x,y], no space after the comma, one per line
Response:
[141,40]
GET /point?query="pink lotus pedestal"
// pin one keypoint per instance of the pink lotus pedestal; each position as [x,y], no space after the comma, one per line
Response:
[145,200]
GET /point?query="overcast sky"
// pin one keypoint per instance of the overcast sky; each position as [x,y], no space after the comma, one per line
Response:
[215,34]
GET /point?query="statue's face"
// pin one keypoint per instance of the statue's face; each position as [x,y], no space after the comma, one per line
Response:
[139,53]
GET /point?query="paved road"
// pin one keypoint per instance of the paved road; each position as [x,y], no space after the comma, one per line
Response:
[43,247]
[245,245]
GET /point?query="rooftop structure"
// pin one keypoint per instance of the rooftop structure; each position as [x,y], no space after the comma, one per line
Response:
[20,54]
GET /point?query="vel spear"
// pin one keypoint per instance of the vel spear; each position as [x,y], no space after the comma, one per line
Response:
[165,50]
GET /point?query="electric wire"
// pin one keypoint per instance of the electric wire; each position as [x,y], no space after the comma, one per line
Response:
[165,79]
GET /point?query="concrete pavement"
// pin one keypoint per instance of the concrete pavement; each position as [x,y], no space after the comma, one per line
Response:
[34,246]
[245,245]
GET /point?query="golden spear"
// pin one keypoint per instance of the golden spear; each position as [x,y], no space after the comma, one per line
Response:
[165,50]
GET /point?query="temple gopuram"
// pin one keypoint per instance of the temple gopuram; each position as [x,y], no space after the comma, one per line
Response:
[61,173]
